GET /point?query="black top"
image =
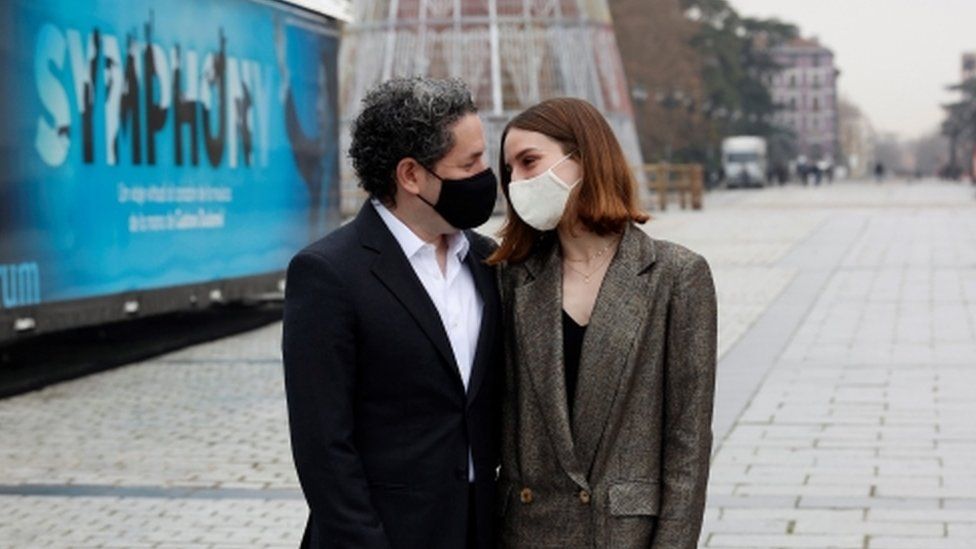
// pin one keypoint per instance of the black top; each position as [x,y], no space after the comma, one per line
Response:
[572,347]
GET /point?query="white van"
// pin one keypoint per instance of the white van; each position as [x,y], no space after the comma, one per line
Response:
[744,161]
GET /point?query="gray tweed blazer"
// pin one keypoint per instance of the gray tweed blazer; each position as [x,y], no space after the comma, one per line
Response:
[629,469]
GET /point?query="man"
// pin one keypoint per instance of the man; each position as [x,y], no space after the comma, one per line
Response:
[391,345]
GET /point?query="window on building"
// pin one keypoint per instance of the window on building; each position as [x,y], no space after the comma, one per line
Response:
[816,104]
[792,80]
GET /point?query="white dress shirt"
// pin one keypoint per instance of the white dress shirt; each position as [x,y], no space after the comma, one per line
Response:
[453,292]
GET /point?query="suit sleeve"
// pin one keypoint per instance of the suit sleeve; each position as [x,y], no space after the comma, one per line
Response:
[508,398]
[319,350]
[689,380]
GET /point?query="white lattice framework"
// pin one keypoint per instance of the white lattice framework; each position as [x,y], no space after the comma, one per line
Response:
[511,53]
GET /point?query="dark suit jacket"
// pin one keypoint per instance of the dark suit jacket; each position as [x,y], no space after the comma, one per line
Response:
[380,421]
[629,468]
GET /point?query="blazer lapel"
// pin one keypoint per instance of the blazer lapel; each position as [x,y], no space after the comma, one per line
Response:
[617,316]
[395,272]
[484,282]
[538,329]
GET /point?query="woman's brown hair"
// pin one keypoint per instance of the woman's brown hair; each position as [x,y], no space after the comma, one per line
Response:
[605,201]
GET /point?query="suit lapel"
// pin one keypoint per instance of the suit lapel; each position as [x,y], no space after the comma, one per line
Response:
[485,284]
[395,272]
[617,316]
[538,329]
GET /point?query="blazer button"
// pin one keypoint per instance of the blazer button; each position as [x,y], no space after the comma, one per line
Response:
[526,495]
[584,497]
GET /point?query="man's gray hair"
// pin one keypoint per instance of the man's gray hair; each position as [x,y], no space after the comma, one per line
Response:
[405,118]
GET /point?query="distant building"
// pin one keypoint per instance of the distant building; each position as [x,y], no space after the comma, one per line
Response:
[806,91]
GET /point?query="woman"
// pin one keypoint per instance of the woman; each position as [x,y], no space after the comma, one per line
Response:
[610,344]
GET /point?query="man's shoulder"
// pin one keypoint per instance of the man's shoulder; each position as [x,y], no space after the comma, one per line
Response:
[482,245]
[336,246]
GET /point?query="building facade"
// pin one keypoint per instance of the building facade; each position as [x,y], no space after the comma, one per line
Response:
[511,53]
[806,92]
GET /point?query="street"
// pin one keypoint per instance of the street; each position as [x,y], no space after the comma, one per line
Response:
[843,416]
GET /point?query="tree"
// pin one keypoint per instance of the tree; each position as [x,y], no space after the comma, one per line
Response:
[737,70]
[698,72]
[654,38]
[959,128]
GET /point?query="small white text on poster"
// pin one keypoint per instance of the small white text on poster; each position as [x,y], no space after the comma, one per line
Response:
[192,207]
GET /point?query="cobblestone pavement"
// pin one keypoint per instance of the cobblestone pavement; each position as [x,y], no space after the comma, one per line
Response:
[847,336]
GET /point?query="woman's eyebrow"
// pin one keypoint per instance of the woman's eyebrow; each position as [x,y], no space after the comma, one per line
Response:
[525,151]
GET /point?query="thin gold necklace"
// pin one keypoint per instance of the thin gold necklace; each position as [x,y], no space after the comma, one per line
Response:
[592,257]
[587,277]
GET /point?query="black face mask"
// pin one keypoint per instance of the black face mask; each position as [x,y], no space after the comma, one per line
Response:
[466,203]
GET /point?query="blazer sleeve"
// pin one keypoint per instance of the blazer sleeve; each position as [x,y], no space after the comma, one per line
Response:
[319,350]
[689,384]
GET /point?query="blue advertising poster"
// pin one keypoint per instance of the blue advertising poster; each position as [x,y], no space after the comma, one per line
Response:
[154,143]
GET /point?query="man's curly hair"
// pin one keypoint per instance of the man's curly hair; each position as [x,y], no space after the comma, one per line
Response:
[405,118]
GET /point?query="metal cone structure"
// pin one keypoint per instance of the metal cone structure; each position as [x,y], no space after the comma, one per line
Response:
[511,53]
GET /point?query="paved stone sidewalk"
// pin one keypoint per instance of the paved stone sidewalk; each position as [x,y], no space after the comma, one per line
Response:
[843,391]
[187,450]
[137,522]
[861,433]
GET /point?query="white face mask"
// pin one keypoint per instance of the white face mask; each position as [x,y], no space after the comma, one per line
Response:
[540,201]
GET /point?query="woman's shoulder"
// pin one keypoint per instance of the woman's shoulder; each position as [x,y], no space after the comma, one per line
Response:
[674,256]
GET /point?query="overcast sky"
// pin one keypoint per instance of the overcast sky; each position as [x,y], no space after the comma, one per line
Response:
[895,56]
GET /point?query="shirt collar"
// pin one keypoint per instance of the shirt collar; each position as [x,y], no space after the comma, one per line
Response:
[408,240]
